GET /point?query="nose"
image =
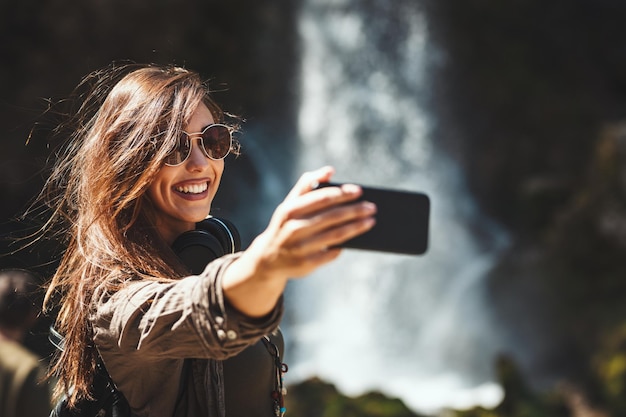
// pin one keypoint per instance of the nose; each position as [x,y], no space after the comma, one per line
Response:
[197,160]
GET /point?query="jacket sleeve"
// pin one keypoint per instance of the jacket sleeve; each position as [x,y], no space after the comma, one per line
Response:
[186,318]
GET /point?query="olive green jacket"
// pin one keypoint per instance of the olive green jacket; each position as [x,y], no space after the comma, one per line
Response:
[145,331]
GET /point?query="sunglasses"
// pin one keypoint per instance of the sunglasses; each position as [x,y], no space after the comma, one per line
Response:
[215,142]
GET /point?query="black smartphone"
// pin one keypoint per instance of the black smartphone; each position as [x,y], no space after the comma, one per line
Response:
[402,221]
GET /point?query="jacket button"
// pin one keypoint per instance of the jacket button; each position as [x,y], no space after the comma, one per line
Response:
[232,335]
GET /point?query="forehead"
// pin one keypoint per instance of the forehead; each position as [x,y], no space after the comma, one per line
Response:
[201,118]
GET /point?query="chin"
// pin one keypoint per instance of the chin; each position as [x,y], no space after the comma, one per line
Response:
[201,216]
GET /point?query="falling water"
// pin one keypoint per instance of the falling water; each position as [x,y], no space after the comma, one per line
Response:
[417,328]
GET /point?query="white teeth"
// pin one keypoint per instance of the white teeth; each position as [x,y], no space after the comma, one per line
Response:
[193,189]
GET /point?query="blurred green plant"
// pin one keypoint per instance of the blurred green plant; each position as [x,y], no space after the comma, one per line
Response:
[315,398]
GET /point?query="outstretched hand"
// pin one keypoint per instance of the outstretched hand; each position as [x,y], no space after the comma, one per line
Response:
[302,235]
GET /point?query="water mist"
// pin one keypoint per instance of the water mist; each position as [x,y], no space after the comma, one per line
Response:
[417,328]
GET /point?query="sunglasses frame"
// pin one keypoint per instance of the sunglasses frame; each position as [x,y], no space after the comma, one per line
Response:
[200,136]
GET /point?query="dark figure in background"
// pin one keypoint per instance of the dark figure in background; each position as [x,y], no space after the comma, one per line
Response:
[141,168]
[23,393]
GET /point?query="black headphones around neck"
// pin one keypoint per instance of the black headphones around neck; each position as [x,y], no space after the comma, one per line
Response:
[213,237]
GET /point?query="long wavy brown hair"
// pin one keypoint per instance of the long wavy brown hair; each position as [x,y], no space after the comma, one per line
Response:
[126,122]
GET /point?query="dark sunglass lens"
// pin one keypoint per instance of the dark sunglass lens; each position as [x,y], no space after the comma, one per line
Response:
[180,152]
[216,139]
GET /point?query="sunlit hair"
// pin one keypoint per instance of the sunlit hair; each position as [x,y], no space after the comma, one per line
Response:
[128,119]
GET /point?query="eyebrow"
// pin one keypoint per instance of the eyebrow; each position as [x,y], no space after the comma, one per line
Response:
[201,130]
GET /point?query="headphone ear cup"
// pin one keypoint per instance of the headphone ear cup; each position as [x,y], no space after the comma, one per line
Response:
[224,231]
[212,238]
[196,248]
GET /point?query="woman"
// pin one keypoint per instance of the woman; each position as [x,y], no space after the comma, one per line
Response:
[142,167]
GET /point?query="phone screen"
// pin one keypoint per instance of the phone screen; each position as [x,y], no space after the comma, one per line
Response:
[402,221]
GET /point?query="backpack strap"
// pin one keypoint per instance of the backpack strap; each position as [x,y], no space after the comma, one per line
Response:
[182,386]
[57,339]
[108,398]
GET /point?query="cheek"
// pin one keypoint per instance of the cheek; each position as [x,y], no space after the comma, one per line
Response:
[153,195]
[157,192]
[218,168]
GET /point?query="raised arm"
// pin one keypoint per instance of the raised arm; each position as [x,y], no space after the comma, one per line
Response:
[300,237]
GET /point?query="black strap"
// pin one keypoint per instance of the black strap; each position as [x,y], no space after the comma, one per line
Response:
[107,396]
[183,382]
[57,340]
[108,400]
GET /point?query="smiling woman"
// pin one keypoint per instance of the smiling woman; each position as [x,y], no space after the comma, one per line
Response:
[130,181]
[182,193]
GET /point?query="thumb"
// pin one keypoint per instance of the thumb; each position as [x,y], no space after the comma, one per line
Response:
[309,180]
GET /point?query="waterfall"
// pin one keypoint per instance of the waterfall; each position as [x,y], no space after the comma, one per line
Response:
[413,327]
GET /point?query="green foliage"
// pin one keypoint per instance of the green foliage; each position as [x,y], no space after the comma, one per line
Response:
[315,398]
[609,365]
[519,399]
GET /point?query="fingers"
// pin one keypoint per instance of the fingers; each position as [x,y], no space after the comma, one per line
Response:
[308,180]
[306,244]
[315,201]
[342,224]
[324,256]
[306,236]
[321,218]
[309,224]
[333,226]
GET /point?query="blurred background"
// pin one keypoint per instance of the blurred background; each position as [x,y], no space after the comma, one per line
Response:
[511,116]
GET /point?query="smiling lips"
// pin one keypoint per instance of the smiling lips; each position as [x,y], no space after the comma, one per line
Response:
[193,188]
